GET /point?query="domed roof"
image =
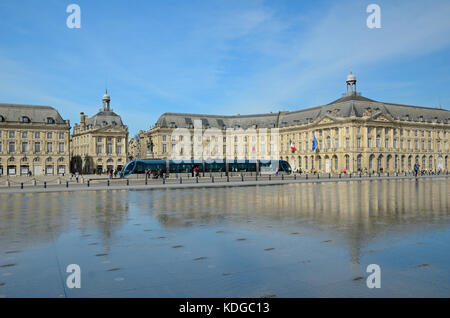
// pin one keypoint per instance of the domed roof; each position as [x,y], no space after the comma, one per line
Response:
[105,118]
[351,77]
[106,96]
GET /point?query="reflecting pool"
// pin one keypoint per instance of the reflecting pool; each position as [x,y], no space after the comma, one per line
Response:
[294,240]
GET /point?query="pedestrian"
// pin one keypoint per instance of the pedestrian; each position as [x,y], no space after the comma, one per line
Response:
[416,169]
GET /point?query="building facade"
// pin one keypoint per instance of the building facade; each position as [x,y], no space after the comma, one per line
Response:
[99,143]
[139,147]
[351,134]
[33,140]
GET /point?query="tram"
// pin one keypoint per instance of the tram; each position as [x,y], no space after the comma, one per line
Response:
[188,166]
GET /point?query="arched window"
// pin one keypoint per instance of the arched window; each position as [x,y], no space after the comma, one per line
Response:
[25,119]
[50,120]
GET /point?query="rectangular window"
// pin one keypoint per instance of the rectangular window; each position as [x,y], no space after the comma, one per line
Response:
[99,149]
[99,139]
[164,148]
[49,147]
[49,135]
[358,143]
[109,149]
[24,134]
[24,146]
[0,148]
[61,147]
[386,143]
[369,142]
[119,149]
[12,147]
[119,140]
[61,135]
[347,143]
[37,147]
[395,143]
[11,134]
[37,134]
[164,138]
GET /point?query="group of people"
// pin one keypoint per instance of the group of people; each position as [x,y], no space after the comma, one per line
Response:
[154,173]
[112,172]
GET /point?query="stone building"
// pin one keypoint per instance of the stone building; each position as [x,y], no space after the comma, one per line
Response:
[33,139]
[99,143]
[353,133]
[139,147]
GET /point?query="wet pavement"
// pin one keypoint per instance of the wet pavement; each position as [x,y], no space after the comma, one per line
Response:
[290,240]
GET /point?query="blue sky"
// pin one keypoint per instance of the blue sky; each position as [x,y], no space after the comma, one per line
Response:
[220,57]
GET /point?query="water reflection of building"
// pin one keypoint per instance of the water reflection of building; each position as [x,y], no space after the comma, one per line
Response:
[353,212]
[31,219]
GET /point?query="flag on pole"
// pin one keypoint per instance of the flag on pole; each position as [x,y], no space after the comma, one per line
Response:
[314,144]
[292,145]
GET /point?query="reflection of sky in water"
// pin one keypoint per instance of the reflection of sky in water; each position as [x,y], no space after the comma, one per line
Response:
[291,240]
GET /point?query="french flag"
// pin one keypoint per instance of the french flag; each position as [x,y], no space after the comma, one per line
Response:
[292,145]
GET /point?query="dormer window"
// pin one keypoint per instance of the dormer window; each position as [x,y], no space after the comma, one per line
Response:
[25,119]
[191,126]
[2,119]
[172,125]
[114,123]
[105,123]
[50,120]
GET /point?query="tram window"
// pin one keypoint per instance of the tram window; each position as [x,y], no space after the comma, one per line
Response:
[140,168]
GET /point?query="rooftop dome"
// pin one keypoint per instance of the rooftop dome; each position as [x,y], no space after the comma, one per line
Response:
[351,77]
[106,97]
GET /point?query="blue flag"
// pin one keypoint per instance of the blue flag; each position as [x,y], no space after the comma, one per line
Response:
[314,145]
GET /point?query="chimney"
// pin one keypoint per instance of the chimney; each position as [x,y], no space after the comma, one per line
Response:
[82,118]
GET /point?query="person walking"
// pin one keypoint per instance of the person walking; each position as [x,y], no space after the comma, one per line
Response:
[416,169]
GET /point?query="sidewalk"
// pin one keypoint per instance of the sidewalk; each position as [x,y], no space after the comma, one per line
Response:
[209,182]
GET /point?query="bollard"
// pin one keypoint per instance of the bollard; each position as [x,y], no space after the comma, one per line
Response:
[45,184]
[212,179]
[306,176]
[128,182]
[89,182]
[146,181]
[350,175]
[318,175]
[388,174]
[228,178]
[329,176]
[181,180]
[295,177]
[67,184]
[164,179]
[369,175]
[196,179]
[339,175]
[256,177]
[242,177]
[270,177]
[282,176]
[360,174]
[108,183]
[21,185]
